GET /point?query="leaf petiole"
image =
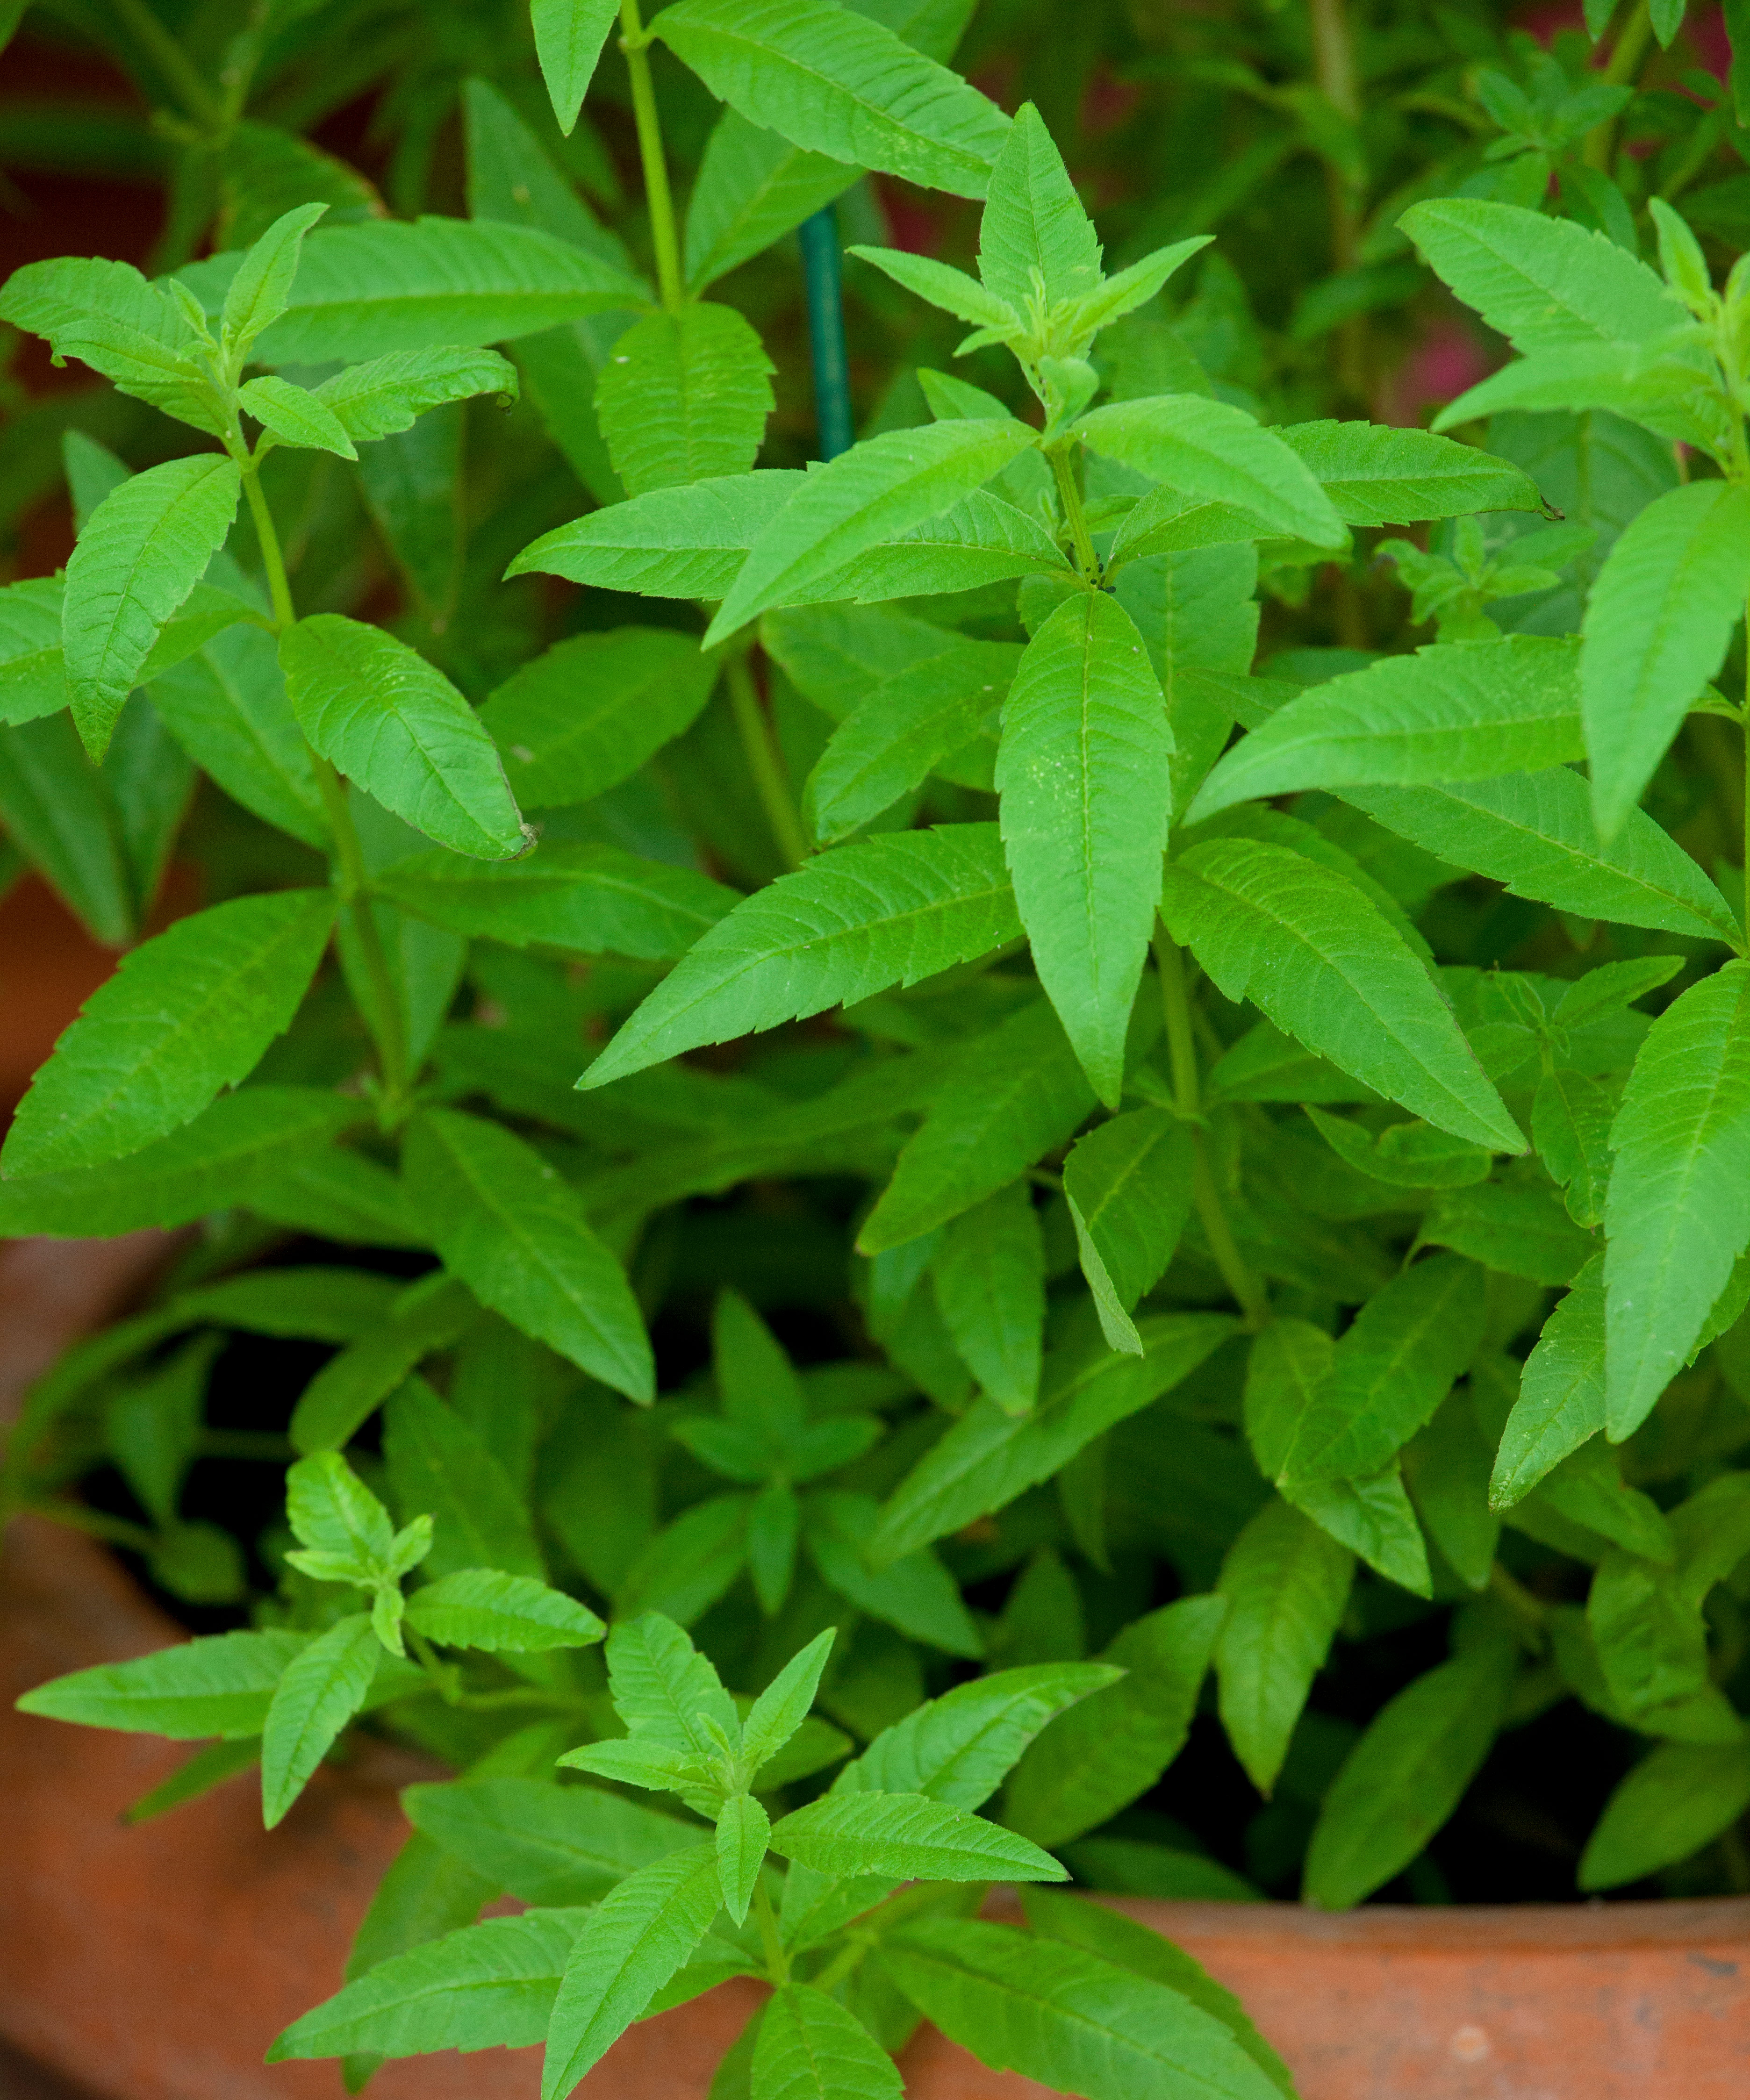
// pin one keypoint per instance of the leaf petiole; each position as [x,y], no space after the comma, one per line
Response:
[635,43]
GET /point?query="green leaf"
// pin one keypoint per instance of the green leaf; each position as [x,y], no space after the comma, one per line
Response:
[1406,1775]
[1206,448]
[590,898]
[347,1389]
[1066,2017]
[838,83]
[59,813]
[188,1013]
[909,1837]
[990,1280]
[752,188]
[1677,1213]
[1011,1097]
[673,543]
[1545,283]
[904,727]
[578,719]
[1456,711]
[1082,770]
[1130,1180]
[331,1510]
[870,495]
[689,1563]
[957,1748]
[651,1764]
[743,1830]
[889,910]
[950,289]
[382,715]
[914,1592]
[481,1607]
[260,291]
[321,1689]
[226,705]
[1679,1797]
[783,1706]
[664,1688]
[543,1842]
[1315,954]
[632,1945]
[1035,227]
[684,398]
[1448,1468]
[294,416]
[1404,1155]
[1286,1582]
[1393,1367]
[1534,832]
[221,1685]
[241,1142]
[1376,476]
[569,35]
[987,1458]
[1561,1402]
[812,2048]
[439,1464]
[490,1985]
[1658,622]
[1517,1228]
[384,286]
[386,395]
[32,671]
[1133,1946]
[1111,1749]
[141,553]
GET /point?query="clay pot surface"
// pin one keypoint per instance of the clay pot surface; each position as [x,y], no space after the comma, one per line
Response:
[157,1962]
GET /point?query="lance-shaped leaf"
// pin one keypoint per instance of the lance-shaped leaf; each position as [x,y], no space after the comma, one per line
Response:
[783,1706]
[1677,1213]
[888,911]
[1083,768]
[383,286]
[752,188]
[1286,1583]
[812,2048]
[323,1687]
[673,543]
[33,670]
[1315,953]
[1063,2015]
[294,416]
[483,1608]
[1376,476]
[1534,832]
[516,1235]
[569,35]
[743,1830]
[189,1012]
[243,1141]
[684,398]
[1105,1753]
[664,1688]
[141,553]
[839,84]
[386,394]
[987,1457]
[1035,226]
[633,1943]
[1680,1797]
[219,1686]
[990,1280]
[869,495]
[593,899]
[490,1985]
[258,292]
[1658,622]
[1545,283]
[1561,1402]
[577,720]
[1010,1098]
[1208,448]
[1456,711]
[226,706]
[1407,1775]
[909,1837]
[543,1843]
[386,718]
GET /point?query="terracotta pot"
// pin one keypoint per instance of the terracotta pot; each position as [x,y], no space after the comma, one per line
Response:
[157,1963]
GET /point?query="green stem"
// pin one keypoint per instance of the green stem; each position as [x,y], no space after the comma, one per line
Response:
[765,763]
[1086,558]
[140,23]
[635,43]
[1517,1598]
[1181,1044]
[777,1961]
[1334,67]
[1625,65]
[388,1029]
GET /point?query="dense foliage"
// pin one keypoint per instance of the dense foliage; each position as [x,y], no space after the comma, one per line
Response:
[1233,1104]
